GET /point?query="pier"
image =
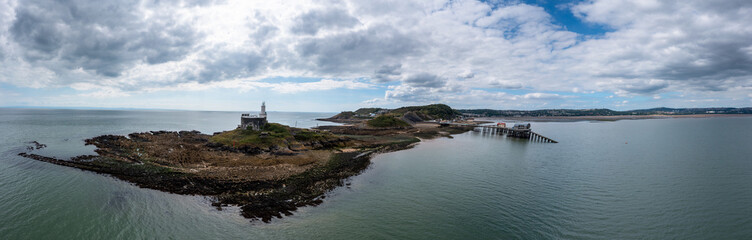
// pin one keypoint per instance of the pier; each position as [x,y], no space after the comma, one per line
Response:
[513,132]
[518,131]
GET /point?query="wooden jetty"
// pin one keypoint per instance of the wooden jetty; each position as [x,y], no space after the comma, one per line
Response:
[517,132]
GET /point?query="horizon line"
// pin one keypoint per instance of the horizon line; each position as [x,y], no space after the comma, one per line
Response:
[140,109]
[198,110]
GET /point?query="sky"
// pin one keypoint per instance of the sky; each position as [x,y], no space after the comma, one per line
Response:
[329,56]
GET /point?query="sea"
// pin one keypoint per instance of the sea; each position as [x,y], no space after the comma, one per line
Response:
[678,178]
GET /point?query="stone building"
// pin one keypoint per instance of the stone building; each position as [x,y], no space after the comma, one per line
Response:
[255,122]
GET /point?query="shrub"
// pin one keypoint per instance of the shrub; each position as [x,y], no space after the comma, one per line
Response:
[276,128]
[385,121]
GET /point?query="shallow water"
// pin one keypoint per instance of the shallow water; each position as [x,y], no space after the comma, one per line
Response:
[655,179]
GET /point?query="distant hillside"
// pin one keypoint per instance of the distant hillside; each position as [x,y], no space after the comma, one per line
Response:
[387,121]
[415,114]
[349,115]
[600,112]
[411,114]
[429,112]
[367,111]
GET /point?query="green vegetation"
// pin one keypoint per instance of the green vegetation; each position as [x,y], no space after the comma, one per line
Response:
[307,135]
[239,138]
[428,112]
[276,129]
[345,115]
[404,141]
[412,114]
[271,134]
[351,115]
[367,111]
[385,121]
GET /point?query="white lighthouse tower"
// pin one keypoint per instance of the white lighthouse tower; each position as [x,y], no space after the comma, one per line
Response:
[263,110]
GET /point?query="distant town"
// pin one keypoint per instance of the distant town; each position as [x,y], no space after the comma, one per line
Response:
[599,112]
[441,111]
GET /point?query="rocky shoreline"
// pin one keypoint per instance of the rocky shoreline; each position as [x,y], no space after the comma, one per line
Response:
[266,181]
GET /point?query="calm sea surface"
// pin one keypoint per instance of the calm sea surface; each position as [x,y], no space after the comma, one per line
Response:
[631,179]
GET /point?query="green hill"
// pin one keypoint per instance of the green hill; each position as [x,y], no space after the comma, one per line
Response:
[367,111]
[429,112]
[411,114]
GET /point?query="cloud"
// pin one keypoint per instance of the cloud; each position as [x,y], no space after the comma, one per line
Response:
[324,84]
[104,37]
[461,97]
[543,96]
[356,51]
[228,65]
[416,51]
[387,73]
[644,87]
[404,93]
[321,19]
[424,80]
[505,85]
[467,75]
[105,93]
[6,18]
[695,42]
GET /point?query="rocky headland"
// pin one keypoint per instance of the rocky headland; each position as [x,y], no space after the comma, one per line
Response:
[268,173]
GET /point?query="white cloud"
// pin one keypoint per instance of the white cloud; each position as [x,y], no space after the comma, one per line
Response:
[325,84]
[280,87]
[105,93]
[425,51]
[700,43]
[544,96]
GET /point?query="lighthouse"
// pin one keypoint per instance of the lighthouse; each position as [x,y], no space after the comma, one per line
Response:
[263,110]
[254,122]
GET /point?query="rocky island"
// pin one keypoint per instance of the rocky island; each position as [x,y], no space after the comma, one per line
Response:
[267,169]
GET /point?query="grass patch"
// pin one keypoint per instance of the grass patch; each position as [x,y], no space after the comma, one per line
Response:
[307,135]
[277,129]
[270,135]
[277,134]
[387,121]
[433,111]
[366,111]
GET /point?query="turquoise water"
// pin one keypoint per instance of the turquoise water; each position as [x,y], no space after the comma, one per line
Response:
[633,179]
